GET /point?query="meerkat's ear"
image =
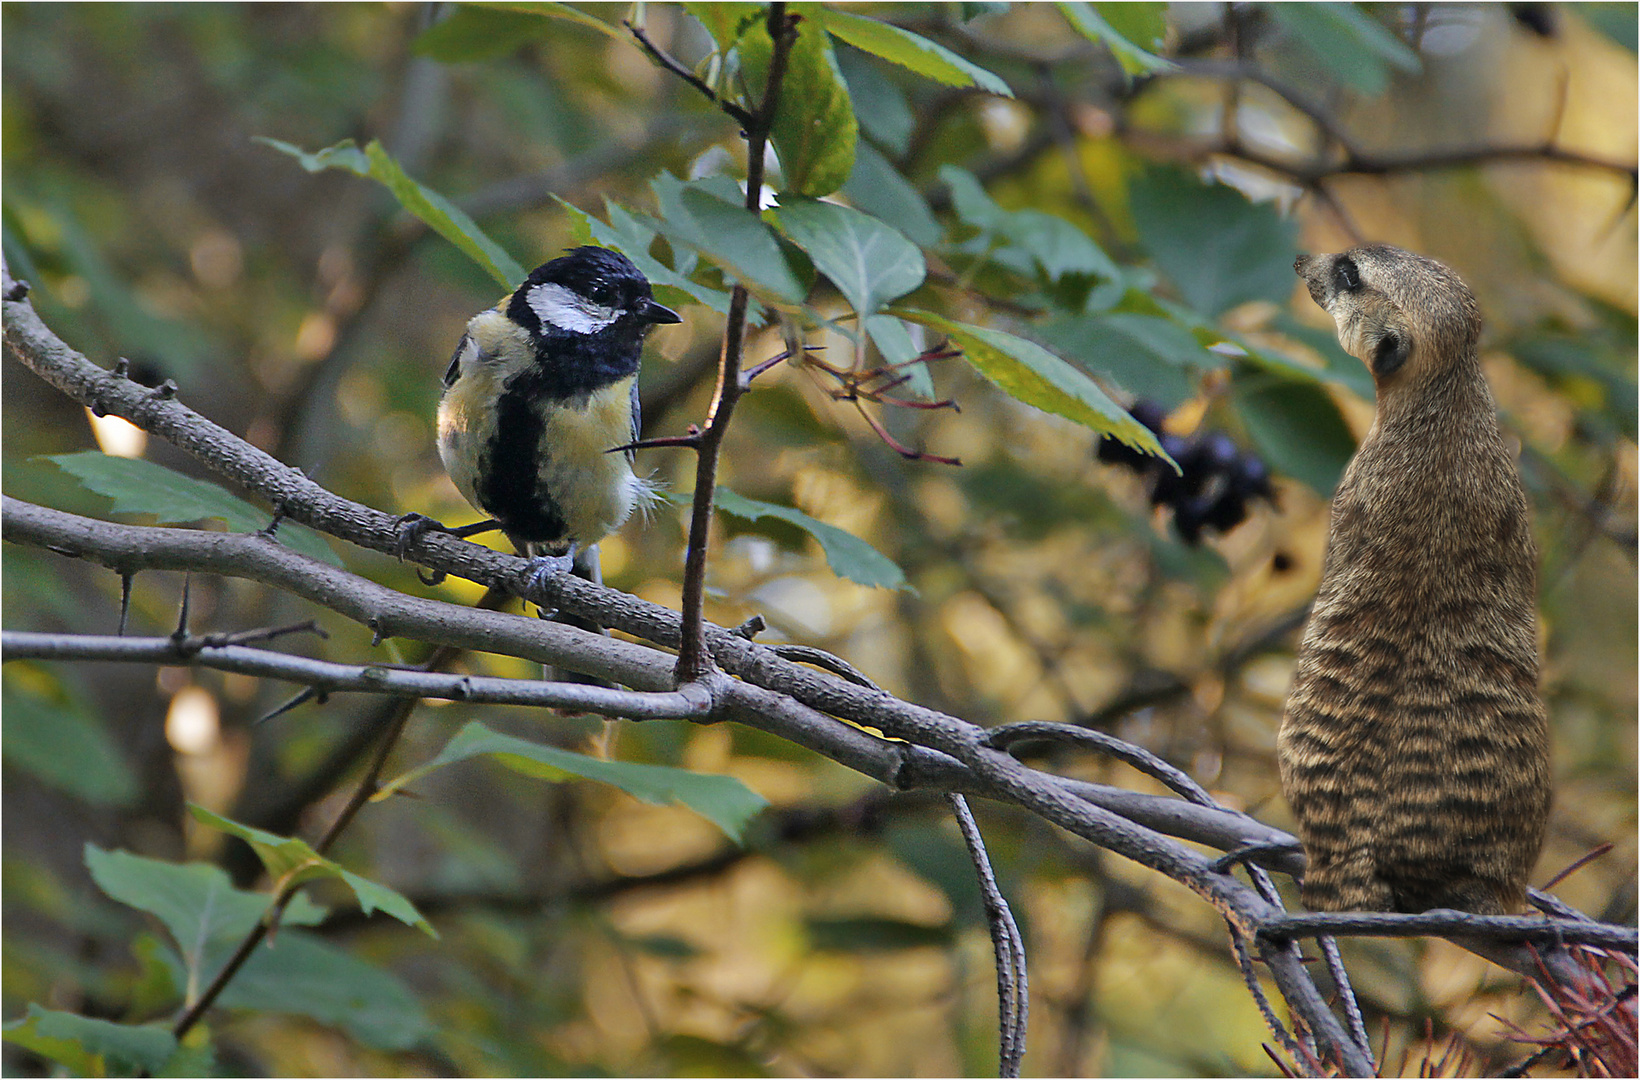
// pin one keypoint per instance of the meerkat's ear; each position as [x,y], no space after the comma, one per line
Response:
[1390,353]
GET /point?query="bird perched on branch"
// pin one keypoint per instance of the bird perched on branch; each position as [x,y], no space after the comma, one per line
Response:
[1414,749]
[541,389]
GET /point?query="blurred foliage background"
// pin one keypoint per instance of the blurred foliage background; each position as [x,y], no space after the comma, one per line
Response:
[585,933]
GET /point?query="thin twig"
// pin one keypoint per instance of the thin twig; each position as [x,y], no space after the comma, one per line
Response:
[665,60]
[688,702]
[1013,989]
[693,657]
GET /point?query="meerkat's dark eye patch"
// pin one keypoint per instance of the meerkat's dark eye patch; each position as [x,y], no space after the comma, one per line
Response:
[1346,278]
[1390,353]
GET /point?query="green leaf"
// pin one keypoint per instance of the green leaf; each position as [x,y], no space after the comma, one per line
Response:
[1149,357]
[196,901]
[303,975]
[63,743]
[344,155]
[1143,22]
[722,800]
[910,51]
[138,486]
[288,859]
[847,555]
[79,1041]
[1025,370]
[699,214]
[869,262]
[877,187]
[880,106]
[814,130]
[1296,427]
[439,214]
[1091,24]
[1217,248]
[627,233]
[554,11]
[727,22]
[1349,43]
[1056,245]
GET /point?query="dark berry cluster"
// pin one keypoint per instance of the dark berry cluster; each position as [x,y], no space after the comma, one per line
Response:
[1218,481]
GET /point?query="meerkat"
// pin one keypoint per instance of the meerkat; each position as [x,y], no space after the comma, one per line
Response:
[1414,749]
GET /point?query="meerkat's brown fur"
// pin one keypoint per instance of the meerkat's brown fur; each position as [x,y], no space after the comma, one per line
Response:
[1414,750]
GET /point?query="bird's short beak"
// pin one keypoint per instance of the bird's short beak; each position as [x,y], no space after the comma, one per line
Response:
[650,311]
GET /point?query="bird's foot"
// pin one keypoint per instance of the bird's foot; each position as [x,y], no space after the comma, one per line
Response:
[541,569]
[412,527]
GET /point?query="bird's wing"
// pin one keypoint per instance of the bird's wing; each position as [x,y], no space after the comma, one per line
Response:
[637,423]
[453,372]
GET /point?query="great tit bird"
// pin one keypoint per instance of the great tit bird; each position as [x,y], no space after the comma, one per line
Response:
[541,388]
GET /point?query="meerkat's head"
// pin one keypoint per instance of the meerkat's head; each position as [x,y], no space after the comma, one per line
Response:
[1404,316]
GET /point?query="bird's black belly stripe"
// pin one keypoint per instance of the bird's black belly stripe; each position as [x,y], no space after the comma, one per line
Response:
[507,481]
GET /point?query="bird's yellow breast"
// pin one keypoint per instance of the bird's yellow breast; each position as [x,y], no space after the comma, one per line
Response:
[592,490]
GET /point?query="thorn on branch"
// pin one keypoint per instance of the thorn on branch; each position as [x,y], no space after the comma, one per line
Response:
[18,291]
[180,634]
[166,390]
[246,637]
[747,376]
[690,441]
[750,628]
[125,601]
[309,693]
[1577,865]
[272,528]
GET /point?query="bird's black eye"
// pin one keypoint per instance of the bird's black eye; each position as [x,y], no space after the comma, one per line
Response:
[603,292]
[1346,278]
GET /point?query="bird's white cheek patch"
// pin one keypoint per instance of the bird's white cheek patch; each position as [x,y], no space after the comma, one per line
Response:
[557,306]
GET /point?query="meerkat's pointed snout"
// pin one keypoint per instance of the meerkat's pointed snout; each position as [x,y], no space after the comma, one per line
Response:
[1315,270]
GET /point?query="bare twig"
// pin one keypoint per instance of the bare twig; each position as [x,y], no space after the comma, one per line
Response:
[737,113]
[693,656]
[688,702]
[1013,987]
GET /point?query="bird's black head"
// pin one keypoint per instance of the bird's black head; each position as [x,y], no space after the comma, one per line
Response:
[591,292]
